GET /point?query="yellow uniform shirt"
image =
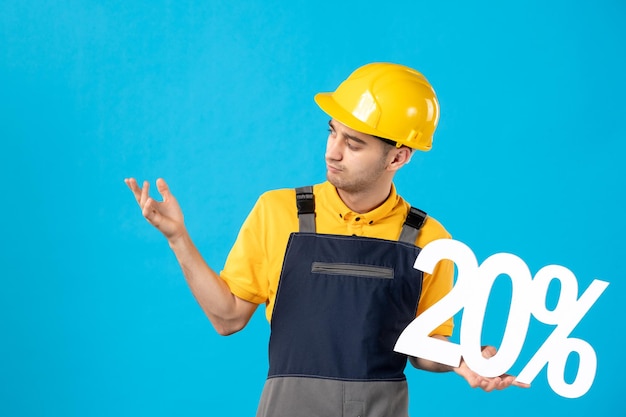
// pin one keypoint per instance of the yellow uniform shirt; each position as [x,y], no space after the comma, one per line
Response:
[253,267]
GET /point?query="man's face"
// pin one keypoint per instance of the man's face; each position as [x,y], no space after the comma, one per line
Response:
[355,162]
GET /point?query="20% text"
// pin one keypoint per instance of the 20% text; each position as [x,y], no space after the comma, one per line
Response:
[471,293]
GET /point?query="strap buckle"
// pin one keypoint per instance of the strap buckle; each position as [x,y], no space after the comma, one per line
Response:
[305,202]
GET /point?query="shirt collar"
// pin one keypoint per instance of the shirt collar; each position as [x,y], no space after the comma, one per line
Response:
[335,203]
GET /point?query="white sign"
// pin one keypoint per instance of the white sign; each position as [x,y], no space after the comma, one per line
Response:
[471,294]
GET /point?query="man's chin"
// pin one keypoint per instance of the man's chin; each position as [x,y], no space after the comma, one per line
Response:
[332,179]
[339,185]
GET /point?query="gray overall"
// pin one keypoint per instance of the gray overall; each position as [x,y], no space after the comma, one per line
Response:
[341,304]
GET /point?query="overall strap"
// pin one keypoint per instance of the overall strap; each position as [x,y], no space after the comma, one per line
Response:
[305,201]
[411,228]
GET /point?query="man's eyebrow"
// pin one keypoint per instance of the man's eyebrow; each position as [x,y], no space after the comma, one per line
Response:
[354,138]
[347,135]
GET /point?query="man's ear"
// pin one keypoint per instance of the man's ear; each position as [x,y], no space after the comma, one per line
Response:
[400,157]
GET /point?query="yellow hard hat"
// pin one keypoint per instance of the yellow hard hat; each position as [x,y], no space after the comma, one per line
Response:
[387,100]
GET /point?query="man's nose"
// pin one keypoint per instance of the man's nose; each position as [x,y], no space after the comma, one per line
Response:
[334,149]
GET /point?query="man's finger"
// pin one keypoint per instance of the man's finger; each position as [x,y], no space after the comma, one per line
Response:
[520,384]
[164,190]
[132,185]
[144,194]
[489,352]
[150,211]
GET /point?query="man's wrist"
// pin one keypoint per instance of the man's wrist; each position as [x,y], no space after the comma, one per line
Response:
[179,240]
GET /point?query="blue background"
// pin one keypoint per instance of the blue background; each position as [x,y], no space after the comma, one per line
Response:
[216,97]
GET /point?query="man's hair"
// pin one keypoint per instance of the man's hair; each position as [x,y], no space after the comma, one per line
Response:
[392,143]
[387,141]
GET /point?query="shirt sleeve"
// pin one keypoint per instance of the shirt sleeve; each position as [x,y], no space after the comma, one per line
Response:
[245,270]
[435,286]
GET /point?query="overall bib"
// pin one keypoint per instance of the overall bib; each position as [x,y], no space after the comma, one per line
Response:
[341,304]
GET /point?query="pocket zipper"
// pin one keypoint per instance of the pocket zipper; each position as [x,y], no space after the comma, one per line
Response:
[358,270]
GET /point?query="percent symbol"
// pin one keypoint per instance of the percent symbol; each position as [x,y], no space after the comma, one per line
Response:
[555,351]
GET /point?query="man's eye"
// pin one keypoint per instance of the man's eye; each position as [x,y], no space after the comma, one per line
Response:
[351,145]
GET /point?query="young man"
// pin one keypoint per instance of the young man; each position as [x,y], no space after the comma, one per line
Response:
[334,262]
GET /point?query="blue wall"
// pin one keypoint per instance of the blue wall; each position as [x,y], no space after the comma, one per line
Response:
[216,97]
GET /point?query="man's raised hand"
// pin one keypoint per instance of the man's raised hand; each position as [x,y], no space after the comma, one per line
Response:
[165,215]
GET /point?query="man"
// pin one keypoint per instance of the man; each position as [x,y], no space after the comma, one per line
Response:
[334,262]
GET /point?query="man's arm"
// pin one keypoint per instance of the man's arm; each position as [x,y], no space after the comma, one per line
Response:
[473,379]
[227,312]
